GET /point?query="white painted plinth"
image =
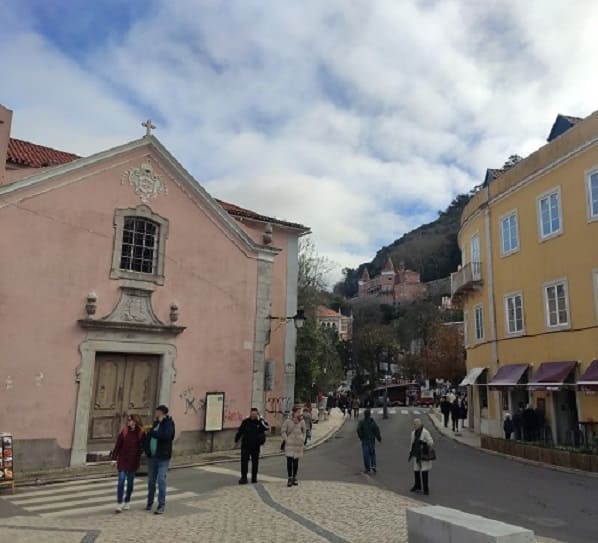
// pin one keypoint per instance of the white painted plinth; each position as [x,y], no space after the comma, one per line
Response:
[436,524]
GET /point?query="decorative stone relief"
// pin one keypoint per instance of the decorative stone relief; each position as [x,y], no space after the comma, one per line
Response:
[174,312]
[267,236]
[91,305]
[134,306]
[147,184]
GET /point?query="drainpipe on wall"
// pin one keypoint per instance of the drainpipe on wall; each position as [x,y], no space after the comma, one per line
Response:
[494,425]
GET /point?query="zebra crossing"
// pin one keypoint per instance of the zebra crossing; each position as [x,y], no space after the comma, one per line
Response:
[393,411]
[74,498]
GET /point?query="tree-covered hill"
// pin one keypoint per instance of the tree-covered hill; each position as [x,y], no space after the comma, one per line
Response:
[431,249]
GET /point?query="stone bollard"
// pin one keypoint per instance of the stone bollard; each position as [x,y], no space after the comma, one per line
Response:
[436,524]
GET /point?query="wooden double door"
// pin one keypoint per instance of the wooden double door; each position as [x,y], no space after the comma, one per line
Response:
[124,384]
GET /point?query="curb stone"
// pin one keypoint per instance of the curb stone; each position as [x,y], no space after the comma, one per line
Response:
[225,458]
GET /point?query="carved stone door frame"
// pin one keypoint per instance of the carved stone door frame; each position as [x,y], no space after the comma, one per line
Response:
[118,333]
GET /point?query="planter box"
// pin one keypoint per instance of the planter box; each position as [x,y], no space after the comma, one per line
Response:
[561,458]
[581,461]
[531,452]
[556,457]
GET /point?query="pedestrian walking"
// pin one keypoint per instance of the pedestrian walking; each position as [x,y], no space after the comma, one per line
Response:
[356,405]
[464,408]
[309,423]
[293,439]
[455,414]
[445,409]
[518,422]
[529,423]
[508,426]
[158,448]
[421,455]
[368,432]
[252,435]
[127,457]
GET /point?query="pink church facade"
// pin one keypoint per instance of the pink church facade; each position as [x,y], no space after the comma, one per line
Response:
[124,284]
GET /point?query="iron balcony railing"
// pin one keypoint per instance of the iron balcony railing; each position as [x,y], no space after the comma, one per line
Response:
[468,277]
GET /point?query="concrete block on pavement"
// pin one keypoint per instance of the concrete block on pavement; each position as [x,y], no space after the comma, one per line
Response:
[436,524]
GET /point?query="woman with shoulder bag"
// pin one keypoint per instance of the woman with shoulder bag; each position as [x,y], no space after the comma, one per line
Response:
[293,434]
[421,454]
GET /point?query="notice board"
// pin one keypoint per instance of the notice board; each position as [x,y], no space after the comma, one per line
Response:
[214,412]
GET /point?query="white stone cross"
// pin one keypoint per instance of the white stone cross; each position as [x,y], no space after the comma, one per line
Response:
[149,126]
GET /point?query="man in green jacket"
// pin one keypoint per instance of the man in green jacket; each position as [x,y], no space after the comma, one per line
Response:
[368,433]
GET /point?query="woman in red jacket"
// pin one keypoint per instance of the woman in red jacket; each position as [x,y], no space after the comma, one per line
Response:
[127,455]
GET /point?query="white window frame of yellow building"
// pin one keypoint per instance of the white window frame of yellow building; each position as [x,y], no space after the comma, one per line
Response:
[592,214]
[505,217]
[508,331]
[545,287]
[466,329]
[478,308]
[476,266]
[543,196]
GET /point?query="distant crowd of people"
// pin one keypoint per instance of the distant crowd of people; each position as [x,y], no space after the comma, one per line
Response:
[453,407]
[525,424]
[349,405]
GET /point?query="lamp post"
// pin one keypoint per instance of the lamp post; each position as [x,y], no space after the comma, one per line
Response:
[298,319]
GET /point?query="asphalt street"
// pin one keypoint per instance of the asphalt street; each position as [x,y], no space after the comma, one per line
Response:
[554,504]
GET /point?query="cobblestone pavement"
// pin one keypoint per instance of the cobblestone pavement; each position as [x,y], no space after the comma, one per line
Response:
[313,512]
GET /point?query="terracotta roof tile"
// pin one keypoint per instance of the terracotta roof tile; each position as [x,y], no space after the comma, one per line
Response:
[32,155]
[237,211]
[324,311]
[25,153]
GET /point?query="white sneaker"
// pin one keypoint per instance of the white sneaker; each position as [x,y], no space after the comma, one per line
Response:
[126,506]
[119,508]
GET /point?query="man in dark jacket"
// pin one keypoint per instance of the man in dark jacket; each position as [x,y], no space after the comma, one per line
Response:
[158,448]
[368,432]
[252,434]
[445,409]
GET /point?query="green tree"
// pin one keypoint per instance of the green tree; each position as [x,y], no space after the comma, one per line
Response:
[318,364]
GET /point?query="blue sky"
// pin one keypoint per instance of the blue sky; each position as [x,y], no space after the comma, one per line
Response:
[361,119]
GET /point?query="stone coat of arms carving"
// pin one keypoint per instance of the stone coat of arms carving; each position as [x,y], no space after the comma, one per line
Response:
[147,184]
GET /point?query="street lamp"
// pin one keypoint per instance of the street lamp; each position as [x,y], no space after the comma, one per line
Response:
[298,319]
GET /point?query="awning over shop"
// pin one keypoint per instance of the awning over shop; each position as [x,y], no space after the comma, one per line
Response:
[589,380]
[508,376]
[472,377]
[551,375]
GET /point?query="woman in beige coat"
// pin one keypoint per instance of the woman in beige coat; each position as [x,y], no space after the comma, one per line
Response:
[293,438]
[421,454]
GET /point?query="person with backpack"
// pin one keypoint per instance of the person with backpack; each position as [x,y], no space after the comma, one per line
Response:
[158,448]
[252,435]
[421,454]
[127,457]
[309,423]
[368,432]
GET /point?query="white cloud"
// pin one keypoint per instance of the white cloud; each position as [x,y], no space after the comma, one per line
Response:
[359,119]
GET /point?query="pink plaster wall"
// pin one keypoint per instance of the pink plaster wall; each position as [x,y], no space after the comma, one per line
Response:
[57,246]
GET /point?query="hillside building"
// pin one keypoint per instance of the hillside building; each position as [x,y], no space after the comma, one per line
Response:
[392,286]
[335,320]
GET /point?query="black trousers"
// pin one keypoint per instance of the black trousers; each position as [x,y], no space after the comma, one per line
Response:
[446,419]
[246,454]
[421,477]
[292,467]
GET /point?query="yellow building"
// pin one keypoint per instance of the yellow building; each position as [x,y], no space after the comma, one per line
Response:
[528,286]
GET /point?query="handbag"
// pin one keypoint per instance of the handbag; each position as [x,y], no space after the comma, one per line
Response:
[428,453]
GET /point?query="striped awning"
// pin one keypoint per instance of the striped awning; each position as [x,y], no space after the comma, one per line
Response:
[472,377]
